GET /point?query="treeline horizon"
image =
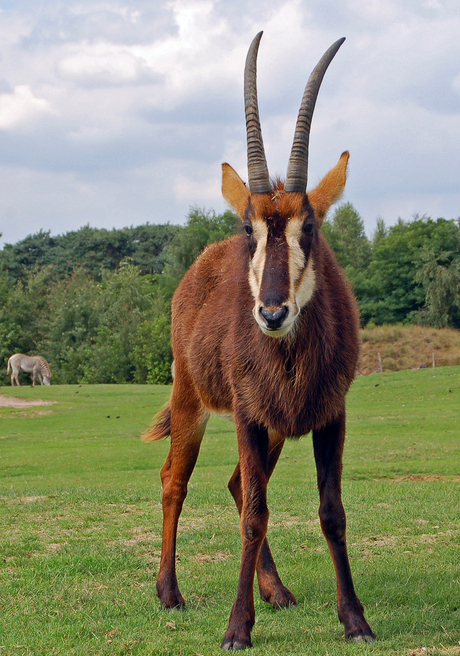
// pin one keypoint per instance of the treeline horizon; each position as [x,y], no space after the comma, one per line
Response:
[96,303]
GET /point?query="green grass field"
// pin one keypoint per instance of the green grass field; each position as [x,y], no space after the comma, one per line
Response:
[81,527]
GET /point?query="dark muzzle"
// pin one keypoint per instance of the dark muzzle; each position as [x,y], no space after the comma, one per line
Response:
[274,320]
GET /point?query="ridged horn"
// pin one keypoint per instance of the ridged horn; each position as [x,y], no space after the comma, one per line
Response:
[297,173]
[259,179]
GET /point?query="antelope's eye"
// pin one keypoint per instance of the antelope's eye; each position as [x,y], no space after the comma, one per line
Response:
[248,229]
[308,229]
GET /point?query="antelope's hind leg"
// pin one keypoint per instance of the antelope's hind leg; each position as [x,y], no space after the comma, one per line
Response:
[188,423]
[271,587]
[328,447]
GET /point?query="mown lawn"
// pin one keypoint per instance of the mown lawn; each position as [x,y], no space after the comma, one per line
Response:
[81,526]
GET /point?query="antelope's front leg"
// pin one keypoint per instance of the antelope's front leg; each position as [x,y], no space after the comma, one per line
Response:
[253,456]
[328,446]
[271,587]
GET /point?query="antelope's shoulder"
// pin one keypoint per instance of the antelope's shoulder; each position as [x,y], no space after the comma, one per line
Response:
[211,269]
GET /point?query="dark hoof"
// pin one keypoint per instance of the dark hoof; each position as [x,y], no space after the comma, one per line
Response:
[354,622]
[233,644]
[172,601]
[363,638]
[282,598]
[361,632]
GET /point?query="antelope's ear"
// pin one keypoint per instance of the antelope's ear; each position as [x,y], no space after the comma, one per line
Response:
[234,190]
[329,189]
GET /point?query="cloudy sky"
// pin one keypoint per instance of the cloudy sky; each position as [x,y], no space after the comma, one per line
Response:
[119,112]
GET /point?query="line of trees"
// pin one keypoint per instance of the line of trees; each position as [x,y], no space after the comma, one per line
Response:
[407,273]
[96,303]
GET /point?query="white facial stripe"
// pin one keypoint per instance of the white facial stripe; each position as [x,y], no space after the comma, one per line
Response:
[306,286]
[302,279]
[257,264]
[296,254]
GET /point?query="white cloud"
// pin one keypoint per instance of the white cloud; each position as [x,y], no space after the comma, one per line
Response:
[207,191]
[131,15]
[139,103]
[103,63]
[20,107]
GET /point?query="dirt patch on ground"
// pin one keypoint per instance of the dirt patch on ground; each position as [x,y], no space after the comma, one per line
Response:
[16,402]
[435,651]
[32,499]
[217,557]
[429,478]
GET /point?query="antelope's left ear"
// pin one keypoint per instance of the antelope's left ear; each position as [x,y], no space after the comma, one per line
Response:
[329,189]
[234,190]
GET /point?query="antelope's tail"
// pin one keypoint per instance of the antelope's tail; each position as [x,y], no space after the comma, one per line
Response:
[8,367]
[160,426]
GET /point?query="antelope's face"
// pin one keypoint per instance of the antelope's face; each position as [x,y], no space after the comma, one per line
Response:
[282,232]
[281,223]
[281,237]
[46,380]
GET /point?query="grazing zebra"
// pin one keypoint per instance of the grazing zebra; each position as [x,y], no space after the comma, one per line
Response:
[32,364]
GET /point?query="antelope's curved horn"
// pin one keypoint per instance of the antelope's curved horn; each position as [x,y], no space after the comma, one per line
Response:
[259,179]
[297,173]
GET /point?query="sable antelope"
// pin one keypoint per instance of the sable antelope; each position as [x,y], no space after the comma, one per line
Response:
[265,328]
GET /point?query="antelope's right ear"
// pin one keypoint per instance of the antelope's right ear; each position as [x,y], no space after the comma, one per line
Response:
[234,190]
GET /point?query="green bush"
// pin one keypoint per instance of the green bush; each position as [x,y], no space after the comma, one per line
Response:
[152,354]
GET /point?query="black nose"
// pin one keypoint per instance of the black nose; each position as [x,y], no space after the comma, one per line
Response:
[274,320]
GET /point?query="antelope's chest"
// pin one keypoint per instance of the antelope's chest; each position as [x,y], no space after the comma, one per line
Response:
[295,395]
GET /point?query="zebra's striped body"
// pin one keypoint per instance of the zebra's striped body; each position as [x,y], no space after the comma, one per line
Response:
[31,364]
